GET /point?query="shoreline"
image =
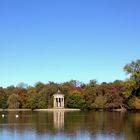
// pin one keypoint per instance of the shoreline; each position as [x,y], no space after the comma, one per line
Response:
[43,110]
[58,109]
[15,109]
[70,109]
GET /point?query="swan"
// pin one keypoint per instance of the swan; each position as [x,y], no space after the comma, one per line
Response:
[17,116]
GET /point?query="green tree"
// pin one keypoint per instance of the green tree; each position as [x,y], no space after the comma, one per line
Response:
[75,100]
[39,86]
[133,70]
[133,84]
[89,96]
[13,101]
[98,103]
[36,101]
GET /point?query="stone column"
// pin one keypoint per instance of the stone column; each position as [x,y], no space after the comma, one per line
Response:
[54,102]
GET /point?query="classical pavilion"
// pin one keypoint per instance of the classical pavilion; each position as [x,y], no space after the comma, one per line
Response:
[58,100]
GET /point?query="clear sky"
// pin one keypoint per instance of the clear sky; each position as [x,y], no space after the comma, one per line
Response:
[60,40]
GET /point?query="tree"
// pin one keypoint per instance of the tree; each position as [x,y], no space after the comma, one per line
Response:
[36,101]
[3,98]
[93,83]
[89,96]
[133,84]
[22,92]
[98,103]
[39,86]
[113,97]
[133,69]
[75,100]
[13,101]
[114,101]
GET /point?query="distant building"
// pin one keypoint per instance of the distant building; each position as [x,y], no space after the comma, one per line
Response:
[58,100]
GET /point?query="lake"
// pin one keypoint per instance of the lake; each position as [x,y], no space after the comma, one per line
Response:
[60,125]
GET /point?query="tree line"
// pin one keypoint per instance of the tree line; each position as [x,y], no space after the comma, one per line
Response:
[113,95]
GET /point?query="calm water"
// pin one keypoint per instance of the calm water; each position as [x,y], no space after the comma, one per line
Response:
[70,125]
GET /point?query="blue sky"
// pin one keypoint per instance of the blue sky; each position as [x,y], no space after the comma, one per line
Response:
[60,40]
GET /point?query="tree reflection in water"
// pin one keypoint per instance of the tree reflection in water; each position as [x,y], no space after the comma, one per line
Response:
[70,125]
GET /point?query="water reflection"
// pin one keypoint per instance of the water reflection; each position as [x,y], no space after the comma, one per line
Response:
[58,119]
[70,125]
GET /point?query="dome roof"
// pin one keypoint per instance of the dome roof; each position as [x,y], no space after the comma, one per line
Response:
[58,92]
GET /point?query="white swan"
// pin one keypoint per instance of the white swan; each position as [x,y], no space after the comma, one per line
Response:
[17,116]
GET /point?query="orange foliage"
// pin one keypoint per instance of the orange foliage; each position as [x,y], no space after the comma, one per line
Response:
[136,103]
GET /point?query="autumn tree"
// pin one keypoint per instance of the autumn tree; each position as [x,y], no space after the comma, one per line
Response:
[112,96]
[23,97]
[3,98]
